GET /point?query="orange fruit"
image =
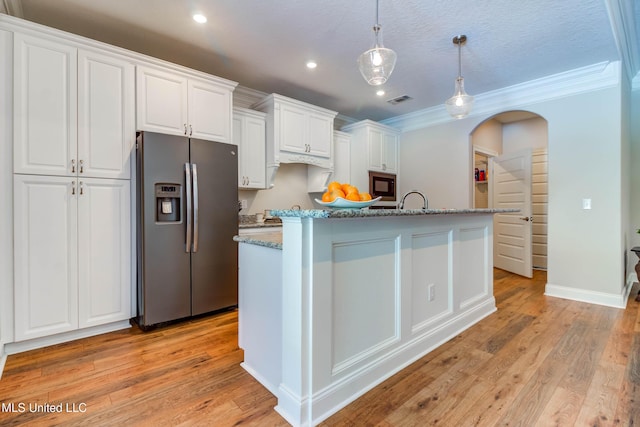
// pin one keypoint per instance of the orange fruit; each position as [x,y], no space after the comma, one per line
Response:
[335,194]
[353,197]
[348,188]
[365,197]
[326,197]
[334,185]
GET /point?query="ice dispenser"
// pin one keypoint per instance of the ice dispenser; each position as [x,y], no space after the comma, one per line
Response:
[168,202]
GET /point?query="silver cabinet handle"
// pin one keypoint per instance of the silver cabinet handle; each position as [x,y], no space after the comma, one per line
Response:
[185,128]
[194,172]
[73,187]
[81,188]
[81,165]
[190,130]
[73,165]
[527,218]
[187,174]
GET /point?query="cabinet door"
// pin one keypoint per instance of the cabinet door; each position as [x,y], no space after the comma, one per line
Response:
[293,129]
[375,141]
[253,151]
[45,242]
[320,135]
[209,111]
[342,159]
[104,243]
[238,136]
[390,153]
[161,101]
[45,106]
[106,129]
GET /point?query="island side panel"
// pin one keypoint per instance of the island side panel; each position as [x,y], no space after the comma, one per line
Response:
[386,291]
[259,308]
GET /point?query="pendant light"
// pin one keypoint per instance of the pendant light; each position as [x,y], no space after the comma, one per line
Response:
[460,104]
[376,64]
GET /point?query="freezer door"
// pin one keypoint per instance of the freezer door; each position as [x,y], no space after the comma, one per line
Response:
[164,261]
[214,261]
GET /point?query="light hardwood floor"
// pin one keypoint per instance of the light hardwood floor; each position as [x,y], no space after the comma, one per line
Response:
[538,361]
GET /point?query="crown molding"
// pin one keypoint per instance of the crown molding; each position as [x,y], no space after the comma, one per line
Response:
[623,28]
[245,97]
[581,80]
[11,7]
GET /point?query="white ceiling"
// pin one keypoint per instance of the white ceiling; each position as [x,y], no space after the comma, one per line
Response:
[264,44]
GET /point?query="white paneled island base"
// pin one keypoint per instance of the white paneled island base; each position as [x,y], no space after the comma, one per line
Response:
[351,297]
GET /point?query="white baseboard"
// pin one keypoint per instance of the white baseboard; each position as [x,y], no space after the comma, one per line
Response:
[3,359]
[591,297]
[19,347]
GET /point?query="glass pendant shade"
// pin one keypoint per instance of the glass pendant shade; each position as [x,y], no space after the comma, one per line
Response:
[377,63]
[460,104]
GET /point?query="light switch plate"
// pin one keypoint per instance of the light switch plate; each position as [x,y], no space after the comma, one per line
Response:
[586,203]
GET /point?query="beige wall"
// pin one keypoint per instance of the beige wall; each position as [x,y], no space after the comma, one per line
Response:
[581,132]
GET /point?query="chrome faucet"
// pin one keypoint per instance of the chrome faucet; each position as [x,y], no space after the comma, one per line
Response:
[425,205]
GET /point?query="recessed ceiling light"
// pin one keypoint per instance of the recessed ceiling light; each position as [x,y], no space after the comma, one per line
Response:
[200,18]
[380,92]
[312,64]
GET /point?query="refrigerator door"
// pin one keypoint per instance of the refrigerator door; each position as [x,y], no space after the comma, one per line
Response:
[164,261]
[214,263]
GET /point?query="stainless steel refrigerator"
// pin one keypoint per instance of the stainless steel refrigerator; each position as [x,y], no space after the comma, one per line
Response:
[187,206]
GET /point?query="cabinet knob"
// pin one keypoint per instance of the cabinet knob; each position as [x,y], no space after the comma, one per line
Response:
[81,164]
[384,167]
[73,187]
[73,165]
[190,130]
[81,188]
[185,128]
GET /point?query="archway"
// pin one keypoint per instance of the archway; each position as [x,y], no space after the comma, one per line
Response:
[508,133]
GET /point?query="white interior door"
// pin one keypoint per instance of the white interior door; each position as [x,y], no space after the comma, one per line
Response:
[511,188]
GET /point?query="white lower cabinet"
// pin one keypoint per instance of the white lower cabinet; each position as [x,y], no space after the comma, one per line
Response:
[72,254]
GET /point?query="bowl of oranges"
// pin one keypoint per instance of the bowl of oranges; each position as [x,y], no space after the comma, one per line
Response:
[345,196]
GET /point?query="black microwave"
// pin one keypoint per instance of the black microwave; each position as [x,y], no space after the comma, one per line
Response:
[382,185]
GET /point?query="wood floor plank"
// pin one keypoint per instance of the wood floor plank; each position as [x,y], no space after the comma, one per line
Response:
[537,361]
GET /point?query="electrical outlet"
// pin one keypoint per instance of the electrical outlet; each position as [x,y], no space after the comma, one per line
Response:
[586,203]
[431,290]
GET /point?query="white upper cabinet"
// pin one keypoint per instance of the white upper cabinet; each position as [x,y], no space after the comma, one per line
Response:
[297,132]
[249,135]
[106,131]
[374,147]
[45,106]
[73,110]
[342,157]
[173,103]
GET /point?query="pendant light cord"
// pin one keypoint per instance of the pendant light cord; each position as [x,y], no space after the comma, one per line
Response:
[377,10]
[459,59]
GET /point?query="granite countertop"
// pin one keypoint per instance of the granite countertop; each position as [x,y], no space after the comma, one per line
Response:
[366,213]
[266,224]
[269,240]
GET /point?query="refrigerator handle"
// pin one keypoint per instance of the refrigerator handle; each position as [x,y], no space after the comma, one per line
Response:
[195,206]
[187,173]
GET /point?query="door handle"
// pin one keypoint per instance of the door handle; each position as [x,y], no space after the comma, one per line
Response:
[194,173]
[527,218]
[187,174]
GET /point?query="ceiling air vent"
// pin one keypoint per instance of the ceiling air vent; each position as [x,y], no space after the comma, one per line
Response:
[399,99]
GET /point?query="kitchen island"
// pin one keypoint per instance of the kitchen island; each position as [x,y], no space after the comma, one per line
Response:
[347,298]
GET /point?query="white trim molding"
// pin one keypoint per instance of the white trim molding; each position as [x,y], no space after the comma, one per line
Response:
[581,80]
[591,297]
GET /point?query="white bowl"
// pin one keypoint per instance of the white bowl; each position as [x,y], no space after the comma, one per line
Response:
[341,203]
